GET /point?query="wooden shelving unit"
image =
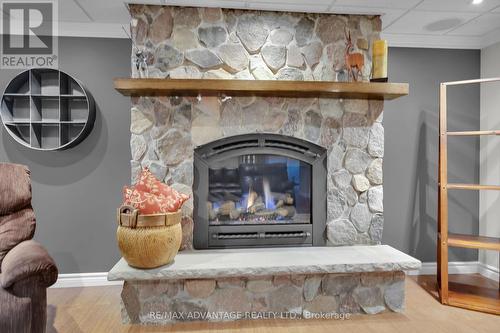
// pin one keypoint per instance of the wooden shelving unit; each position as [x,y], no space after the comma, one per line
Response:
[474,298]
[193,87]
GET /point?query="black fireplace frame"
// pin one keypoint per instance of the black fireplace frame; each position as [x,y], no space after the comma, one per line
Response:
[230,236]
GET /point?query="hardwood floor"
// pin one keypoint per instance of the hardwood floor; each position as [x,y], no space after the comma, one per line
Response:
[97,309]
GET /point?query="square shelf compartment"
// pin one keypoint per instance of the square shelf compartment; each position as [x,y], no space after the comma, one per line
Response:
[74,110]
[45,136]
[69,86]
[16,108]
[45,109]
[20,85]
[70,132]
[45,82]
[21,132]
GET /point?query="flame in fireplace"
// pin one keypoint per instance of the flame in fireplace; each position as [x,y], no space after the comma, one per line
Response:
[250,198]
[268,197]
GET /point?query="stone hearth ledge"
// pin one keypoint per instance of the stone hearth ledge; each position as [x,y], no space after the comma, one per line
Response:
[209,264]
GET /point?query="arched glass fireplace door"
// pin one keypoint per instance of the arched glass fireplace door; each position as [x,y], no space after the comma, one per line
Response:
[259,190]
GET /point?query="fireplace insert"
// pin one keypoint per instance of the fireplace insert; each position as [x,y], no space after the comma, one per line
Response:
[259,190]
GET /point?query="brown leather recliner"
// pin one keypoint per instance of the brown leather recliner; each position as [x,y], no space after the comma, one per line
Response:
[26,269]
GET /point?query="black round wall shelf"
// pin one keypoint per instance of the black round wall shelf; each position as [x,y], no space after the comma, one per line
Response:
[46,109]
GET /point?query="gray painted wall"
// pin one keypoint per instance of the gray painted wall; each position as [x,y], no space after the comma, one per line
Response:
[77,191]
[411,150]
[489,201]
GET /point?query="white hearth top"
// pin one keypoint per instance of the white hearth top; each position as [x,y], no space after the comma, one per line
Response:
[271,261]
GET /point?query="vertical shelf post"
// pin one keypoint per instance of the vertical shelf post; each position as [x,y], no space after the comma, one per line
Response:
[442,239]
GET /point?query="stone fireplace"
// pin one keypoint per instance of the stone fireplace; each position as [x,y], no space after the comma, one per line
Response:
[262,172]
[235,44]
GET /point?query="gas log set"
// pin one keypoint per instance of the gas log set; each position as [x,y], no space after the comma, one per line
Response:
[255,209]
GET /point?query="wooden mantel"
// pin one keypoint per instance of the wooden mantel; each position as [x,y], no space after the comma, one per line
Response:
[210,87]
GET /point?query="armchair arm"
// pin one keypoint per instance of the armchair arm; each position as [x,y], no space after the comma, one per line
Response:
[28,259]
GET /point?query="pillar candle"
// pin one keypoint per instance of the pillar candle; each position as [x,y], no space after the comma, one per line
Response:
[379,59]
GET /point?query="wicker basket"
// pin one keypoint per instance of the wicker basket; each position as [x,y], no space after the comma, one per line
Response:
[148,241]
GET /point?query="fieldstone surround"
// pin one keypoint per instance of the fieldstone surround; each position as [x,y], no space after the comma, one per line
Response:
[209,43]
[268,297]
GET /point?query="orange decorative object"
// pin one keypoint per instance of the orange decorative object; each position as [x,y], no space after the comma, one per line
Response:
[152,196]
[354,62]
[146,203]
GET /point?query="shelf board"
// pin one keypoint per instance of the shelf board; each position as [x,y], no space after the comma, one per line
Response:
[459,83]
[16,95]
[49,122]
[474,242]
[473,133]
[473,187]
[474,292]
[55,121]
[45,96]
[76,122]
[472,302]
[73,96]
[17,122]
[193,87]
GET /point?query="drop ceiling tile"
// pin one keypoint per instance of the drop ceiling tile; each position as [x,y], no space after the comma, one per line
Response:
[421,22]
[147,2]
[292,2]
[396,4]
[292,7]
[114,11]
[109,11]
[388,15]
[478,26]
[70,11]
[208,3]
[458,5]
[359,10]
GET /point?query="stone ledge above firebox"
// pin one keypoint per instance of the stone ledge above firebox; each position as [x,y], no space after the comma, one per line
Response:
[272,261]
